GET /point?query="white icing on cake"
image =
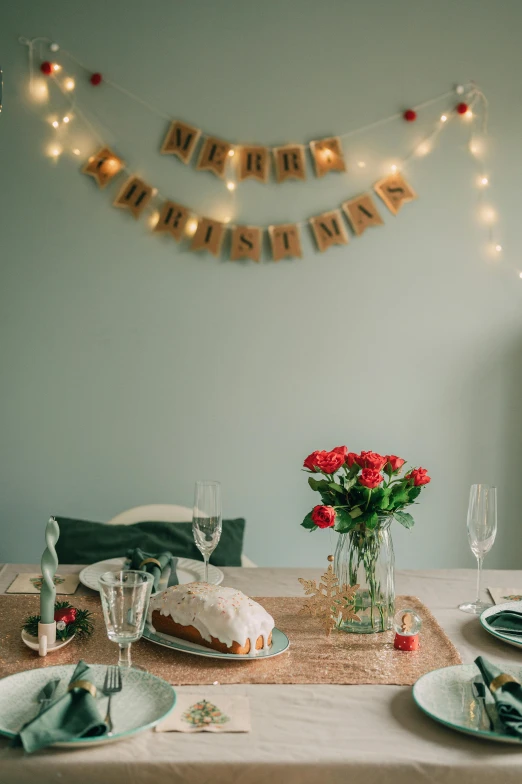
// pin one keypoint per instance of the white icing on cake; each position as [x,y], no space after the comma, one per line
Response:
[215,611]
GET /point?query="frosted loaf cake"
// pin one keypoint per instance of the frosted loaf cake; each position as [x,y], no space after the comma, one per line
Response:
[220,618]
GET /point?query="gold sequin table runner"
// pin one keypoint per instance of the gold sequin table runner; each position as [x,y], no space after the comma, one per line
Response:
[312,657]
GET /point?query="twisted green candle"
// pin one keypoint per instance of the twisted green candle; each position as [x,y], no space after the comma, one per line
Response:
[49,565]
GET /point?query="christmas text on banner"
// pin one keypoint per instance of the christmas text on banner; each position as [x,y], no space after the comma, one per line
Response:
[181,140]
[285,241]
[362,213]
[329,230]
[246,243]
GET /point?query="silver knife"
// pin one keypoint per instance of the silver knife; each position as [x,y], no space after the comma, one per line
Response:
[478,688]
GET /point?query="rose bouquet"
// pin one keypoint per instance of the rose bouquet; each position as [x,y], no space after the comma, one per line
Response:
[361,494]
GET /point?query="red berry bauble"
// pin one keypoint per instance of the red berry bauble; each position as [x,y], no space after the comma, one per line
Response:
[96,79]
[65,614]
[46,68]
[410,115]
[462,108]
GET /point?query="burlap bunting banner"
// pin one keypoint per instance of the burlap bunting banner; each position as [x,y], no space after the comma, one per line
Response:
[290,162]
[246,243]
[181,140]
[285,241]
[362,213]
[209,236]
[103,166]
[328,156]
[394,191]
[214,156]
[329,230]
[134,196]
[172,219]
[254,162]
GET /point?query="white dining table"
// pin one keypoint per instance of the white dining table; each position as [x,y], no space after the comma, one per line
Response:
[303,734]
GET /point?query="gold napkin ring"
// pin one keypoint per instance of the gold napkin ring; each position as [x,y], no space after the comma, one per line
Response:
[150,560]
[500,681]
[85,685]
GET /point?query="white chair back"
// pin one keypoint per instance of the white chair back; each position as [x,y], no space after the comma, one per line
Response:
[161,513]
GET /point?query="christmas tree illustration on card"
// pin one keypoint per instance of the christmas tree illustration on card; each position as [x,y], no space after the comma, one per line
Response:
[203,714]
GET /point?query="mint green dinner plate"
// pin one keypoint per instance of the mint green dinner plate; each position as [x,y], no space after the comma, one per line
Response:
[143,702]
[280,643]
[446,696]
[512,639]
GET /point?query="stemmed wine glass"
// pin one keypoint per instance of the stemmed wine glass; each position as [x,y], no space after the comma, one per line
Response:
[482,529]
[125,600]
[206,519]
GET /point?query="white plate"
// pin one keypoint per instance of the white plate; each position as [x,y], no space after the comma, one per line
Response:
[512,639]
[446,696]
[143,702]
[280,643]
[188,571]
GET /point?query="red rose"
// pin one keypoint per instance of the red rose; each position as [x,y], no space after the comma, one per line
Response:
[419,476]
[371,478]
[372,460]
[311,462]
[395,462]
[323,516]
[65,614]
[351,458]
[342,450]
[329,462]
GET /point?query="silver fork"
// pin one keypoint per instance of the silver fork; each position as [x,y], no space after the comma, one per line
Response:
[111,685]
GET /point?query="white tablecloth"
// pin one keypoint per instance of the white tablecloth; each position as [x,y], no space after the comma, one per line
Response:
[305,734]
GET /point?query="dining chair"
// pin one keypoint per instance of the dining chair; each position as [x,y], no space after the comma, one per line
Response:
[162,513]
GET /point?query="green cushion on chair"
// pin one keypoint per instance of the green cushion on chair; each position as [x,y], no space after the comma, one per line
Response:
[84,542]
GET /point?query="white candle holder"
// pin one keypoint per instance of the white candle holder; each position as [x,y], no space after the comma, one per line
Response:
[46,641]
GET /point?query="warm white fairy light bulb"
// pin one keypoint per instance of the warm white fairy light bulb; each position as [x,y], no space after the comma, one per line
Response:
[482,181]
[231,185]
[226,219]
[69,84]
[468,114]
[39,90]
[498,248]
[394,168]
[423,149]
[520,274]
[153,219]
[76,151]
[361,164]
[191,227]
[57,67]
[54,151]
[443,117]
[66,119]
[231,153]
[488,214]
[55,123]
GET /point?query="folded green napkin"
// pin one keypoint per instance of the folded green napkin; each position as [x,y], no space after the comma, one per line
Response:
[166,560]
[507,621]
[508,698]
[75,715]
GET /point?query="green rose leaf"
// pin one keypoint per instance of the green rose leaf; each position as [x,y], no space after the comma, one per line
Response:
[336,488]
[414,493]
[400,495]
[404,519]
[313,482]
[372,521]
[355,513]
[308,522]
[343,520]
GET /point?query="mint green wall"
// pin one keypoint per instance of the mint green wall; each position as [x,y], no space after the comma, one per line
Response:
[131,367]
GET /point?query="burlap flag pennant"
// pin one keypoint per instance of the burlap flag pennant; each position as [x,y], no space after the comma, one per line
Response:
[214,156]
[209,236]
[134,196]
[362,213]
[394,191]
[285,241]
[328,155]
[246,243]
[290,162]
[329,229]
[181,140]
[254,162]
[103,166]
[172,219]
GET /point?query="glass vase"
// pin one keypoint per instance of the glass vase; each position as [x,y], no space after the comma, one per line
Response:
[366,558]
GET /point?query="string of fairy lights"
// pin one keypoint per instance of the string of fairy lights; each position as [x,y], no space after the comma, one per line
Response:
[465,102]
